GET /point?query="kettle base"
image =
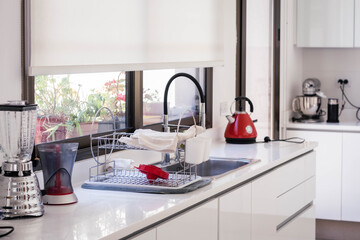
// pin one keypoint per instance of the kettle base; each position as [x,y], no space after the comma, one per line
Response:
[241,140]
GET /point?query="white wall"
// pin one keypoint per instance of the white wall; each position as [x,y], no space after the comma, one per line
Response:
[10,50]
[329,65]
[291,62]
[225,77]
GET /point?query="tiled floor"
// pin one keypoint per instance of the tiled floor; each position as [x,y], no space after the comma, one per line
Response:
[337,230]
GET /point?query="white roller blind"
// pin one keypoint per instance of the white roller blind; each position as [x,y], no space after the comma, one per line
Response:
[76,36]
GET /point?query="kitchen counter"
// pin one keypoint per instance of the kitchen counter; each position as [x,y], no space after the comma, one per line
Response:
[347,123]
[348,126]
[114,215]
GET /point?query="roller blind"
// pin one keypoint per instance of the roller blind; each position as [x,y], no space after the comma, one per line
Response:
[78,36]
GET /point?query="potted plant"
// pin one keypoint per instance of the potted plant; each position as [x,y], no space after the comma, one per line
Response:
[58,105]
[115,100]
[85,117]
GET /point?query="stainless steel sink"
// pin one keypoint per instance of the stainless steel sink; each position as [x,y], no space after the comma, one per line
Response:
[214,167]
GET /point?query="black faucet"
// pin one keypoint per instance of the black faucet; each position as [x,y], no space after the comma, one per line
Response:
[202,100]
[166,156]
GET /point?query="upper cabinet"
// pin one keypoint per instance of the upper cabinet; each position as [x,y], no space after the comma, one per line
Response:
[326,23]
[357,24]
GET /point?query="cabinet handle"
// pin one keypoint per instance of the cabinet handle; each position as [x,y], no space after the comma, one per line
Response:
[289,219]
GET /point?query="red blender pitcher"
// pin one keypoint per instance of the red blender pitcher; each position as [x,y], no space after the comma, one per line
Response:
[57,161]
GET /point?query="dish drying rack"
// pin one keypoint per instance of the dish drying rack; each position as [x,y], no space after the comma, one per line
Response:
[106,176]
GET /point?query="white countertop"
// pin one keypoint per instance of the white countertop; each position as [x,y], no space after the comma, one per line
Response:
[347,123]
[114,214]
[351,126]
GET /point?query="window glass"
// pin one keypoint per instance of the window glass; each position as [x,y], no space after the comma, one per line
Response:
[182,94]
[68,104]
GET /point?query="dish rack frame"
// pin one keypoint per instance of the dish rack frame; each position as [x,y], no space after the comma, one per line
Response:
[106,173]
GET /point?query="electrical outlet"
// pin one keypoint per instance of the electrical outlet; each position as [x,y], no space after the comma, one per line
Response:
[344,82]
[224,108]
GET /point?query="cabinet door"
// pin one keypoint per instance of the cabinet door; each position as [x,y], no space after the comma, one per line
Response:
[301,228]
[351,177]
[281,195]
[325,23]
[328,171]
[200,223]
[357,23]
[149,235]
[235,214]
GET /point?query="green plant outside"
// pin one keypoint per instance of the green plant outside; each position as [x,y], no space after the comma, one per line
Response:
[57,98]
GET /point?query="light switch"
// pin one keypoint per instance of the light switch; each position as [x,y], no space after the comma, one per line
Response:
[224,108]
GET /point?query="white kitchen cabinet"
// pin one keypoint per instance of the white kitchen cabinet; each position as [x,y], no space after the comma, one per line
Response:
[351,177]
[200,223]
[149,235]
[357,24]
[276,205]
[328,171]
[301,228]
[281,196]
[325,23]
[235,214]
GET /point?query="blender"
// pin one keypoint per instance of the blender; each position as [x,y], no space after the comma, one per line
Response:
[57,161]
[20,194]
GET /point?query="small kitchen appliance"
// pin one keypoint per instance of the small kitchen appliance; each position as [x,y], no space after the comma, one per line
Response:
[240,128]
[57,161]
[308,106]
[20,195]
[333,110]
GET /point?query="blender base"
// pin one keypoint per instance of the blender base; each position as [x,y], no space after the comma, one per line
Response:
[20,197]
[60,199]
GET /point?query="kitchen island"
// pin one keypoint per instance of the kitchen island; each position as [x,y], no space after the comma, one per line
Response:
[284,174]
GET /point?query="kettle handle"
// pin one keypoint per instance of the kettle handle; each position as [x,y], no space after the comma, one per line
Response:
[247,100]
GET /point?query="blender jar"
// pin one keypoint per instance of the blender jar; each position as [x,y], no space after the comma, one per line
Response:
[17,130]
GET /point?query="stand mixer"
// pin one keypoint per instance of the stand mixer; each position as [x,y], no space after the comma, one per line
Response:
[308,106]
[20,194]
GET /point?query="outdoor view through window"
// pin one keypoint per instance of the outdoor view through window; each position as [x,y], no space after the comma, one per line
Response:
[182,95]
[68,104]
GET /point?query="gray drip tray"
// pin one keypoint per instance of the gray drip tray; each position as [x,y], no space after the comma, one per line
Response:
[211,169]
[141,189]
[214,167]
[133,180]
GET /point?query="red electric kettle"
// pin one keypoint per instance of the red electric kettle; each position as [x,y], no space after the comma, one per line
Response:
[240,128]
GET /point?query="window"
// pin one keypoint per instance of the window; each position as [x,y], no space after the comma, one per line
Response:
[182,95]
[68,103]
